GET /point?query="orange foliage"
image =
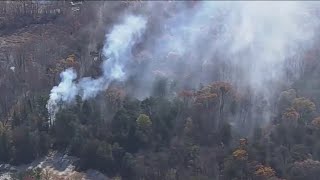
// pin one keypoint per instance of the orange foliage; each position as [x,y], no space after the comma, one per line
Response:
[205,97]
[71,59]
[116,92]
[211,92]
[62,64]
[264,171]
[224,87]
[185,94]
[290,114]
[205,94]
[240,154]
[115,96]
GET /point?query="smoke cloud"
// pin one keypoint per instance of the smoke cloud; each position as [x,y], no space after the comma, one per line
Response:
[245,43]
[254,36]
[116,52]
[248,44]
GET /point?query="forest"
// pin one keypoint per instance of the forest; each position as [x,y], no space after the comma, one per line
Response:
[161,90]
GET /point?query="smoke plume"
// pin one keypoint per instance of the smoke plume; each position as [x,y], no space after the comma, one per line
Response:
[253,36]
[116,52]
[248,44]
[245,43]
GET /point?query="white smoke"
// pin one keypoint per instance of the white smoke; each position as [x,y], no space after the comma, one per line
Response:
[116,51]
[255,36]
[66,91]
[253,39]
[262,35]
[245,43]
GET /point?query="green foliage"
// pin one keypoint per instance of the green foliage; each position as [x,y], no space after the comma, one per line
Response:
[123,126]
[143,128]
[143,122]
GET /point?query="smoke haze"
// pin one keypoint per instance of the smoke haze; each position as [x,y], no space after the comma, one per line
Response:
[244,43]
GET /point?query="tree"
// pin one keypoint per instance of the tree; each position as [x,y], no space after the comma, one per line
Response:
[237,165]
[205,96]
[225,133]
[290,117]
[123,125]
[4,144]
[307,169]
[144,128]
[23,151]
[299,152]
[64,128]
[186,96]
[189,128]
[304,107]
[224,88]
[160,87]
[115,96]
[286,98]
[240,154]
[264,172]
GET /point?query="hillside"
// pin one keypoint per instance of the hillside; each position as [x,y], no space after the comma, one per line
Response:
[159,90]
